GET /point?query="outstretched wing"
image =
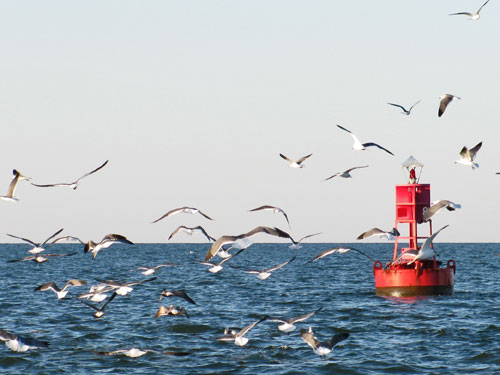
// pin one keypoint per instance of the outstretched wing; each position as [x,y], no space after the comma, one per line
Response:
[369,144]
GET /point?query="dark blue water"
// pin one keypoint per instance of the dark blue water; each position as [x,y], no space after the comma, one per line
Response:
[457,334]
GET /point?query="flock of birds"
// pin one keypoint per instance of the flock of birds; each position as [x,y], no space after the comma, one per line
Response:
[105,291]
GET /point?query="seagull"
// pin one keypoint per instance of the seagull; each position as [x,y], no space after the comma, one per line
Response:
[467,156]
[100,310]
[472,16]
[123,288]
[21,344]
[132,353]
[296,244]
[107,241]
[287,325]
[293,163]
[275,209]
[97,293]
[321,348]
[176,293]
[405,111]
[358,146]
[425,252]
[391,235]
[72,185]
[238,337]
[438,206]
[339,250]
[183,210]
[171,310]
[190,232]
[242,240]
[39,258]
[37,247]
[216,267]
[445,100]
[61,293]
[345,174]
[12,187]
[265,273]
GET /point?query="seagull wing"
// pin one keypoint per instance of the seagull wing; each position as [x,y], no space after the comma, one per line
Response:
[204,215]
[353,168]
[335,175]
[336,339]
[479,10]
[48,286]
[309,235]
[265,207]
[428,241]
[216,246]
[303,317]
[324,254]
[474,150]
[95,170]
[48,239]
[356,140]
[286,158]
[23,239]
[116,238]
[249,327]
[180,228]
[183,294]
[303,158]
[67,238]
[6,336]
[369,144]
[369,233]
[462,14]
[309,338]
[200,228]
[399,106]
[169,213]
[271,269]
[414,105]
[443,104]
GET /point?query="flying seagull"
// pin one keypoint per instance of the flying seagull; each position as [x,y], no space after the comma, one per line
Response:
[171,310]
[472,16]
[293,163]
[358,146]
[238,337]
[21,344]
[106,242]
[184,210]
[467,156]
[123,288]
[339,250]
[135,352]
[438,206]
[391,235]
[405,111]
[345,174]
[444,101]
[37,247]
[190,232]
[297,244]
[288,325]
[12,187]
[72,185]
[150,270]
[275,209]
[61,293]
[176,293]
[99,311]
[265,273]
[321,348]
[39,258]
[216,267]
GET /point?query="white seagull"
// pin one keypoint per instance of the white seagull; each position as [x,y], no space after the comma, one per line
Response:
[150,270]
[184,210]
[106,242]
[358,146]
[99,311]
[37,247]
[438,206]
[472,16]
[275,209]
[405,111]
[390,235]
[176,293]
[338,250]
[265,273]
[238,337]
[12,186]
[425,252]
[61,293]
[72,185]
[123,289]
[217,267]
[21,344]
[444,101]
[297,244]
[467,156]
[190,232]
[132,353]
[288,325]
[295,163]
[345,174]
[321,348]
[171,310]
[39,258]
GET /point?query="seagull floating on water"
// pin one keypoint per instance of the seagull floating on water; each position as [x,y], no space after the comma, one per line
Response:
[346,173]
[288,325]
[472,16]
[444,101]
[184,210]
[61,293]
[321,348]
[12,186]
[358,146]
[176,293]
[238,337]
[295,163]
[265,273]
[275,209]
[338,250]
[467,156]
[37,247]
[405,111]
[72,185]
[18,343]
[391,235]
[190,232]
[438,206]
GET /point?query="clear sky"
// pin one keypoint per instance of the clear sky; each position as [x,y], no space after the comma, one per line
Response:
[192,102]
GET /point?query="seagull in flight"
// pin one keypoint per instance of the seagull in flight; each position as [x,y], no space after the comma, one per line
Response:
[297,244]
[19,343]
[425,252]
[438,206]
[99,311]
[61,293]
[123,289]
[184,210]
[37,247]
[190,232]
[171,310]
[238,337]
[467,156]
[106,242]
[321,348]
[390,235]
[275,209]
[345,174]
[12,186]
[265,273]
[295,163]
[39,258]
[73,185]
[339,250]
[176,293]
[216,267]
[472,16]
[150,270]
[135,352]
[405,111]
[288,325]
[444,101]
[358,146]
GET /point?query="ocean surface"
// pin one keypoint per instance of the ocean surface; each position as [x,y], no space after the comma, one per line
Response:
[457,334]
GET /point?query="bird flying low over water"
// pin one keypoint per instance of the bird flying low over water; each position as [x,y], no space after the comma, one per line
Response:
[444,101]
[190,232]
[297,244]
[345,174]
[358,146]
[295,163]
[73,185]
[106,242]
[176,293]
[21,344]
[238,337]
[338,250]
[405,111]
[391,235]
[275,209]
[99,311]
[150,270]
[216,267]
[184,210]
[321,348]
[61,293]
[12,186]
[135,352]
[123,289]
[265,273]
[37,247]
[467,156]
[436,207]
[288,325]
[472,16]
[171,310]
[39,258]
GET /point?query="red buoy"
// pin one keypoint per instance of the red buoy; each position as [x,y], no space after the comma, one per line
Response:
[402,277]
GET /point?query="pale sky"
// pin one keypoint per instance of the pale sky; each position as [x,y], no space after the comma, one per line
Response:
[192,102]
